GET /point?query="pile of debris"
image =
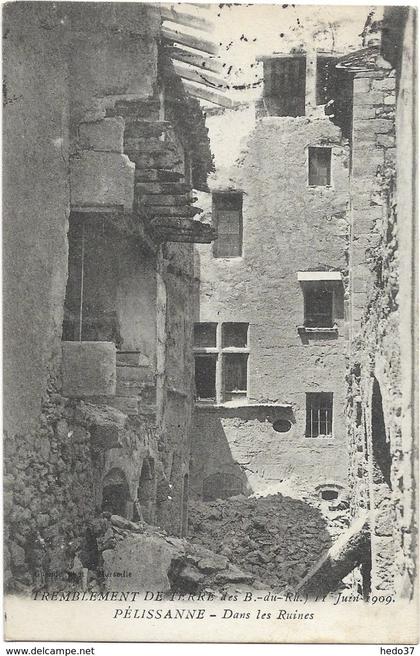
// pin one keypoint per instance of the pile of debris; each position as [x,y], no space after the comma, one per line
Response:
[276,538]
[137,556]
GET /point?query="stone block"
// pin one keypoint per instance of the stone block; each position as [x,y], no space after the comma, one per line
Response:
[105,135]
[141,562]
[387,84]
[361,85]
[386,140]
[369,98]
[106,425]
[89,369]
[363,112]
[101,180]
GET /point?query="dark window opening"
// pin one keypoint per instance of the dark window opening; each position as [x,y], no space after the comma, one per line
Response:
[329,495]
[205,335]
[282,425]
[227,218]
[89,307]
[318,307]
[205,377]
[325,79]
[115,493]
[235,367]
[319,414]
[319,166]
[235,335]
[285,86]
[381,450]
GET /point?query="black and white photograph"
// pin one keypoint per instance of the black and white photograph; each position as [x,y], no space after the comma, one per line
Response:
[210,326]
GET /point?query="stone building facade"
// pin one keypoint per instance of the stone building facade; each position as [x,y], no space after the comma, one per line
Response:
[272,334]
[102,146]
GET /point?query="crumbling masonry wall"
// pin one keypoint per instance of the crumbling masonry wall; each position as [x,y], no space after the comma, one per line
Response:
[64,455]
[379,464]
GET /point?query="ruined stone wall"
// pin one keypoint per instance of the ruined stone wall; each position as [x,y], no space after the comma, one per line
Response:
[288,227]
[379,466]
[65,67]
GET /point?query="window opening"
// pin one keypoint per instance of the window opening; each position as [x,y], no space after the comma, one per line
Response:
[227,217]
[318,306]
[319,414]
[319,166]
[205,335]
[205,377]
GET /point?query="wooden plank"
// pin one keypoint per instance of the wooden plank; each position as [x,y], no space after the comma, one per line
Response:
[201,61]
[205,93]
[200,77]
[176,36]
[168,12]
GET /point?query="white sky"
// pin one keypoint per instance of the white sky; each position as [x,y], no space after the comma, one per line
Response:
[245,31]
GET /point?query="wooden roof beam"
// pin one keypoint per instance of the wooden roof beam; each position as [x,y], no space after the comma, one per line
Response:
[176,36]
[201,61]
[200,77]
[205,93]
[168,12]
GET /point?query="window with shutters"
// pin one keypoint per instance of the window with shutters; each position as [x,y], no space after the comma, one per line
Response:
[319,414]
[221,361]
[227,218]
[285,86]
[319,166]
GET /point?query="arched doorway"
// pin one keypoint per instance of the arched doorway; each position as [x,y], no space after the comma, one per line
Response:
[115,492]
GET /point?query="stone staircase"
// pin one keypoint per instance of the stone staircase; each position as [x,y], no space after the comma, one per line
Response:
[162,197]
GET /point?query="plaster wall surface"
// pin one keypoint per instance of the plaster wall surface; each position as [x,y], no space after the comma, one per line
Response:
[35,205]
[288,227]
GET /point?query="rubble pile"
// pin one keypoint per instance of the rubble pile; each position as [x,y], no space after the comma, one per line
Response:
[137,556]
[276,538]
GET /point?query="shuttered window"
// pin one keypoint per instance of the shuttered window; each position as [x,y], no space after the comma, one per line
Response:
[227,218]
[284,86]
[319,166]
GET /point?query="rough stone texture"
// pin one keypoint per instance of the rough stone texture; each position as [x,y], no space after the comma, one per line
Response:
[89,369]
[377,326]
[288,227]
[48,495]
[276,538]
[135,556]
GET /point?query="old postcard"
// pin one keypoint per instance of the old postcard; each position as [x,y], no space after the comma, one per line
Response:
[210,322]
